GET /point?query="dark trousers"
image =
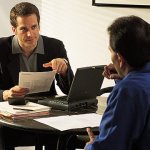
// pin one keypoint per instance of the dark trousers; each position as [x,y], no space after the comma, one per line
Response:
[11,138]
[72,142]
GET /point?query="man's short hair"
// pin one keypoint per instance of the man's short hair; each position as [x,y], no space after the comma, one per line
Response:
[130,36]
[23,9]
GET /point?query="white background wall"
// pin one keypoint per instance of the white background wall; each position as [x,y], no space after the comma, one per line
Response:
[5,7]
[81,26]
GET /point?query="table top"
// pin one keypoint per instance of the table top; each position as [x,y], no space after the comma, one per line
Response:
[30,124]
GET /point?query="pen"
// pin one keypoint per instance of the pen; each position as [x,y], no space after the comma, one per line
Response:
[23,109]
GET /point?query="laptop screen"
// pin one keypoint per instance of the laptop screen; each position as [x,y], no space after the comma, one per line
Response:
[86,83]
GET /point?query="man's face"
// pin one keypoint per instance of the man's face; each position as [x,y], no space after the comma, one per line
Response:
[27,31]
[117,61]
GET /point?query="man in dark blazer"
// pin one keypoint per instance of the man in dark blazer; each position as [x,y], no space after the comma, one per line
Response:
[27,50]
[52,51]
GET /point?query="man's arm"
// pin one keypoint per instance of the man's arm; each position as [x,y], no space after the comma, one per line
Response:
[64,72]
[121,123]
[56,51]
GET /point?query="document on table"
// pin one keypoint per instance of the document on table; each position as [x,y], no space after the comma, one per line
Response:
[23,111]
[36,81]
[72,121]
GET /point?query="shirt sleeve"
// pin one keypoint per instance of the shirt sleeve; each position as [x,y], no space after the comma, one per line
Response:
[64,83]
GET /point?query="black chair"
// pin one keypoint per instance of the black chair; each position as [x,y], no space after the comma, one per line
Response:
[106,90]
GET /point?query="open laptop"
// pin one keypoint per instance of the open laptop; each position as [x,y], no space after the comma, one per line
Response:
[84,89]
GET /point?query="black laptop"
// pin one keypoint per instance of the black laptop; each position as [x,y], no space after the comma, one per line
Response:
[84,89]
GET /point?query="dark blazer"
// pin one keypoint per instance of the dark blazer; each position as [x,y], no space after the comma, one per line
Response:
[10,67]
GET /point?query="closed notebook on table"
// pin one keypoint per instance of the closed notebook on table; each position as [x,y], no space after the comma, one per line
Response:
[22,111]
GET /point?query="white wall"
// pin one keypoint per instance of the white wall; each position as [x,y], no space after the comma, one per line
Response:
[5,7]
[81,26]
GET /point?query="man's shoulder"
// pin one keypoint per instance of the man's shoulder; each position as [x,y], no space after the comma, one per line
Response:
[132,85]
[50,40]
[6,40]
[5,46]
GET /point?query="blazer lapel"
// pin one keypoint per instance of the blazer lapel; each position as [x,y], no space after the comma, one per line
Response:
[14,68]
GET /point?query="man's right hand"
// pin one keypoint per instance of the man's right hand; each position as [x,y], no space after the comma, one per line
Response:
[15,92]
[110,72]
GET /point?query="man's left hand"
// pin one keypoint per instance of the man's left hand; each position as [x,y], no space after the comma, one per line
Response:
[58,64]
[91,137]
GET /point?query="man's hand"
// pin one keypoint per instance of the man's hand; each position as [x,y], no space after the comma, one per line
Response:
[110,72]
[58,64]
[91,137]
[15,92]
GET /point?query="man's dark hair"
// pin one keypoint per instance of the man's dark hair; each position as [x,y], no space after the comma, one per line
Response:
[23,9]
[130,36]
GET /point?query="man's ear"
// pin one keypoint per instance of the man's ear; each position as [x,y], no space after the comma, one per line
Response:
[14,30]
[121,60]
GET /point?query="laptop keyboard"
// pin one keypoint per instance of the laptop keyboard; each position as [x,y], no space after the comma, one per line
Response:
[62,100]
[55,102]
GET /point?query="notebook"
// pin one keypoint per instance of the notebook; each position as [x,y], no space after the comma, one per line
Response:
[84,89]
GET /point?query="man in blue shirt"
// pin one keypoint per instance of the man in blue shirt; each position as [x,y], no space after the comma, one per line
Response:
[125,124]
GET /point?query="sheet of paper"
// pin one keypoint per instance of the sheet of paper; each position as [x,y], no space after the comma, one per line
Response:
[36,81]
[72,121]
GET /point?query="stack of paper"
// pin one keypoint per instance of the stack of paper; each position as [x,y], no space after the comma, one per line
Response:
[22,111]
